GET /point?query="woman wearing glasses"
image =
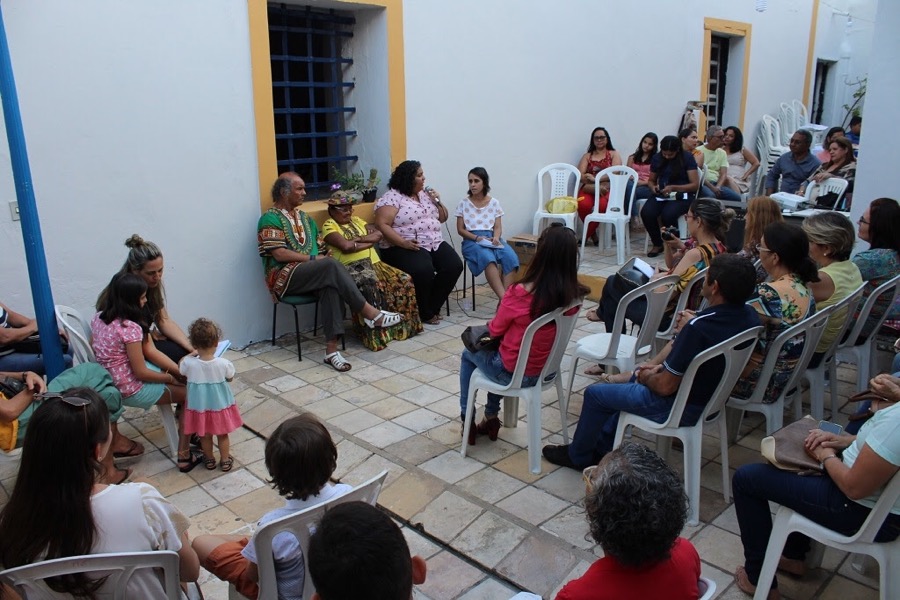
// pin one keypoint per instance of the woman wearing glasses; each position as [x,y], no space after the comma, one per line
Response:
[784,300]
[879,225]
[352,242]
[600,155]
[59,508]
[707,224]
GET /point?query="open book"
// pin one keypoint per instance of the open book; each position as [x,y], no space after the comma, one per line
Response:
[222,347]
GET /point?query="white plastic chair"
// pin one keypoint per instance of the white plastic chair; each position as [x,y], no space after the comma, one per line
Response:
[616,210]
[811,328]
[302,525]
[706,588]
[79,339]
[560,176]
[801,115]
[787,122]
[550,377]
[619,350]
[862,354]
[662,337]
[736,352]
[816,376]
[832,184]
[887,554]
[118,567]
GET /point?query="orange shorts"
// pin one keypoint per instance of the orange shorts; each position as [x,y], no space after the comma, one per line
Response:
[228,564]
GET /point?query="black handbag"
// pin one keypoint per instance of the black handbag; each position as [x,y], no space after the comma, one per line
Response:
[477,337]
[629,278]
[32,345]
[10,386]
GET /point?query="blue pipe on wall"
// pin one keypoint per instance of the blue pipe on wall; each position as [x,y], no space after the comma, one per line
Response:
[31,226]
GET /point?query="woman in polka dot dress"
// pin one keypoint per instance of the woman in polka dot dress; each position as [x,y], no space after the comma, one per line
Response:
[478,223]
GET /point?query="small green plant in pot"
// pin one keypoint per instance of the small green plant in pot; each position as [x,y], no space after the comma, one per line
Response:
[358,183]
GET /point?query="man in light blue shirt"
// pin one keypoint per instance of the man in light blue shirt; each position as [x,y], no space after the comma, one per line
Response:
[793,167]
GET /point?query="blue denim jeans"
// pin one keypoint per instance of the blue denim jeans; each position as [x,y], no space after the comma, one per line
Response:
[489,362]
[727,193]
[18,361]
[816,498]
[596,430]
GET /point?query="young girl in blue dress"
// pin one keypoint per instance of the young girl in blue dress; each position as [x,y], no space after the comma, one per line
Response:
[210,404]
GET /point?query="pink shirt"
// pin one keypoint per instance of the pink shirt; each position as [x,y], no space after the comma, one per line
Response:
[643,170]
[512,319]
[416,219]
[109,346]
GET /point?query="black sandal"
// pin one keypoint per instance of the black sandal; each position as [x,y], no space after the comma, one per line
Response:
[186,465]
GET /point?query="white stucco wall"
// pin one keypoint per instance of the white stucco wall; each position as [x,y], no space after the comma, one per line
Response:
[875,177]
[138,119]
[851,48]
[513,85]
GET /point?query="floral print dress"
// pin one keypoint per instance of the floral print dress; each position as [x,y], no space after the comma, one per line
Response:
[781,304]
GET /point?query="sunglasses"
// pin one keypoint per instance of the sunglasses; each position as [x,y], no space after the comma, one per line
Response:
[70,400]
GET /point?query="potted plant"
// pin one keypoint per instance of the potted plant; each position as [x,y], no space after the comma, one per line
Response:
[357,183]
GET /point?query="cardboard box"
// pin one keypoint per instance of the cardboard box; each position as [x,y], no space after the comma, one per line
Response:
[524,246]
[595,283]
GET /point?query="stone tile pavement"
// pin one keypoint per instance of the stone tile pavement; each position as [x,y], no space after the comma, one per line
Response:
[487,526]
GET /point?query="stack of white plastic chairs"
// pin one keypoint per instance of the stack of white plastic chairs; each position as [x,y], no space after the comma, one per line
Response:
[774,134]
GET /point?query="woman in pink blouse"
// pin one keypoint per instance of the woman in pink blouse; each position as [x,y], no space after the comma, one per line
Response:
[409,218]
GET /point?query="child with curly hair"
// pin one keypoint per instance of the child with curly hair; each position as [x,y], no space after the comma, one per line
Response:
[210,404]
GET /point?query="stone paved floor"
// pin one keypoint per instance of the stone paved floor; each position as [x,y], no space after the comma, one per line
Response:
[492,527]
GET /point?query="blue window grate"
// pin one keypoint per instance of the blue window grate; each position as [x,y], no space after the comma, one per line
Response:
[308,90]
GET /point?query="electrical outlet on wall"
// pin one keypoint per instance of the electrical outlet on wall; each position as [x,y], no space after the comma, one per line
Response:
[14,210]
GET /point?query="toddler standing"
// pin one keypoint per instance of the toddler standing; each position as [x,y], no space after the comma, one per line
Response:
[210,404]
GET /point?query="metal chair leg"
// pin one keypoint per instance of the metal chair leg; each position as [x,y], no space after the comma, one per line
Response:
[297,332]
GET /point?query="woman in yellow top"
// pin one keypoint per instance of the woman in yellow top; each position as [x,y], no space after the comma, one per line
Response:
[352,242]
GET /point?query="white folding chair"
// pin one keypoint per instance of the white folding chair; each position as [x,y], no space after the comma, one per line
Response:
[550,377]
[863,541]
[80,340]
[616,349]
[831,185]
[816,376]
[811,328]
[662,337]
[560,175]
[862,354]
[617,210]
[736,352]
[301,525]
[118,567]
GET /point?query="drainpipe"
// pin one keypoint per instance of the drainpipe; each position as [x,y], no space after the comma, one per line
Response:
[31,226]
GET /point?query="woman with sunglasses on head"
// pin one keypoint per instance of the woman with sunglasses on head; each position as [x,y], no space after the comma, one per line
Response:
[59,507]
[352,242]
[600,155]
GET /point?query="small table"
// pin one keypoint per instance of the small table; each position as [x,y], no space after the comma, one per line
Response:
[797,217]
